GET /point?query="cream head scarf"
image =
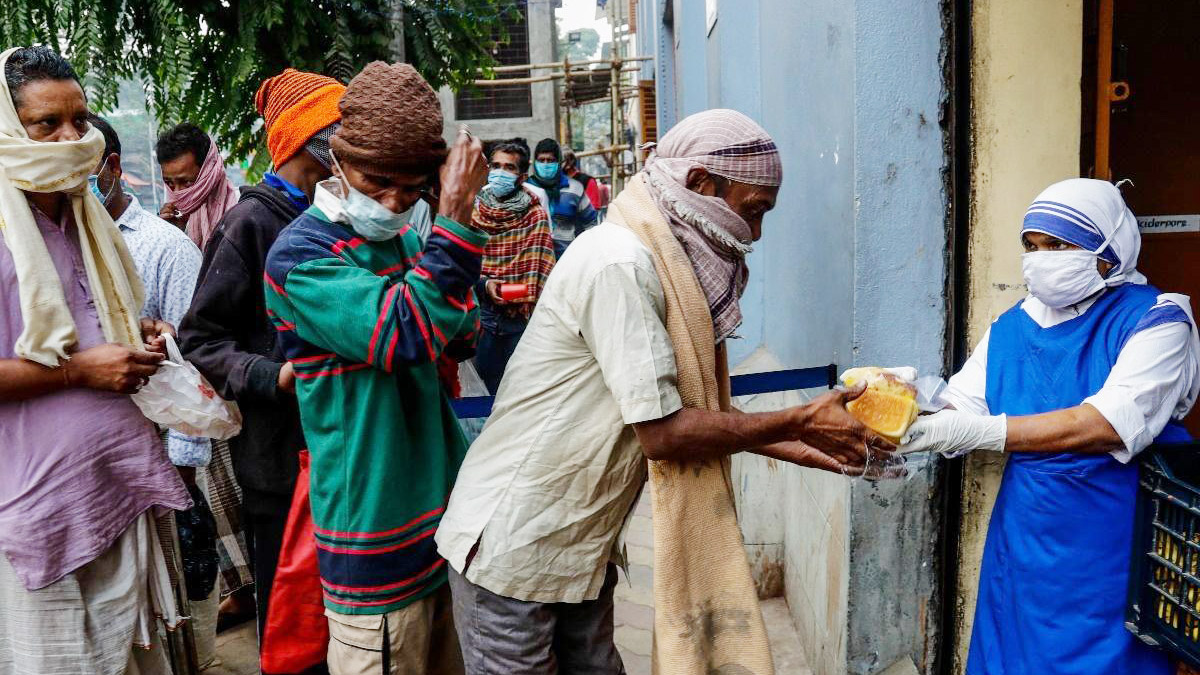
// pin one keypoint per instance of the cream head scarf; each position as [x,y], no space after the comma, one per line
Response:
[29,166]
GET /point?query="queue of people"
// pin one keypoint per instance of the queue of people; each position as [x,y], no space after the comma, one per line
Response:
[334,302]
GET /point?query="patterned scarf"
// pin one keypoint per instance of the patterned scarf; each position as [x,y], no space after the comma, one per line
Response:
[520,250]
[716,239]
[206,201]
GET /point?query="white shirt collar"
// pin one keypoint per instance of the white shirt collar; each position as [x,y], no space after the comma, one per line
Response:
[130,219]
[1046,316]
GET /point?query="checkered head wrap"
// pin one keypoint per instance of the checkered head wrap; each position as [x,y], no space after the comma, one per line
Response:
[728,144]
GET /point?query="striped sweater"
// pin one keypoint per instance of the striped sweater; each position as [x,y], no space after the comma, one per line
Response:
[364,324]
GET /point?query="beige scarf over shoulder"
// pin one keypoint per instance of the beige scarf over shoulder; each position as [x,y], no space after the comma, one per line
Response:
[30,166]
[706,613]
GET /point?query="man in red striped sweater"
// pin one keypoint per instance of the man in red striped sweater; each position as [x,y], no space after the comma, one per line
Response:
[365,316]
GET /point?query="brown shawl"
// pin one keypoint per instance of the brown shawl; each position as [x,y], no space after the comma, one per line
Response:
[706,613]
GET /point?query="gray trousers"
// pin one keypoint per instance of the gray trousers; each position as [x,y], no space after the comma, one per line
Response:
[503,636]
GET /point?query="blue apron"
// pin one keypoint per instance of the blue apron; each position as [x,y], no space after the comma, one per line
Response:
[1052,586]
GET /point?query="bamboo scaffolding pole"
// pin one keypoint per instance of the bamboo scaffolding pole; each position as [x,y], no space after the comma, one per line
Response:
[618,173]
[559,64]
[584,74]
[518,80]
[603,151]
[565,136]
[540,78]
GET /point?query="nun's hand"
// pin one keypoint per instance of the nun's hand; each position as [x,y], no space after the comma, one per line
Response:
[951,433]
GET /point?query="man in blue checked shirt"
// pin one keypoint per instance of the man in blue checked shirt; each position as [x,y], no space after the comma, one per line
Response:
[571,212]
[167,261]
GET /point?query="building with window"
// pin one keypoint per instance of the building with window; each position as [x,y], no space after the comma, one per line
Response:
[526,110]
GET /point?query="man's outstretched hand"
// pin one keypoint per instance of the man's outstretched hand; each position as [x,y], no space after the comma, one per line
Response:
[112,367]
[801,454]
[826,425]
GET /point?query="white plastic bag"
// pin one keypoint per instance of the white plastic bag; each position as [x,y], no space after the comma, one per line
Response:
[178,397]
[469,381]
[929,393]
[471,384]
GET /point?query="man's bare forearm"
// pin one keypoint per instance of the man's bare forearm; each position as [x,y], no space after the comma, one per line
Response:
[108,367]
[21,380]
[822,424]
[693,434]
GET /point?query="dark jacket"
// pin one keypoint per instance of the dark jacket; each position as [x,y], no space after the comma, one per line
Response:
[227,336]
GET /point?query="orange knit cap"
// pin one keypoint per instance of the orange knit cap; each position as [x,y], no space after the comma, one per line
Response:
[295,106]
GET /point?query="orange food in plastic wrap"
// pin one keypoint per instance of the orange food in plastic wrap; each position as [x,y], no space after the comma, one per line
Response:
[888,406]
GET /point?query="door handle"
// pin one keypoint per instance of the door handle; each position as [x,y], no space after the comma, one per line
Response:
[1118,91]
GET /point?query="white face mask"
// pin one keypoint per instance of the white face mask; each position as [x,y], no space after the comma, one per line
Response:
[369,218]
[1061,278]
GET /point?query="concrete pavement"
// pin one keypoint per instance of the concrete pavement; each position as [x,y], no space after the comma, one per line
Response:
[633,617]
[633,614]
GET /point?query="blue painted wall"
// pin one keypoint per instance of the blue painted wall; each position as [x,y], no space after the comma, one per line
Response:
[850,269]
[899,313]
[807,254]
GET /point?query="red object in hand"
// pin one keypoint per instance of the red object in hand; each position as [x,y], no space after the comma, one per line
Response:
[511,292]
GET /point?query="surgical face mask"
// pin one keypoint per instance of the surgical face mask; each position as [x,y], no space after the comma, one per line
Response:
[1064,278]
[369,218]
[546,170]
[1061,278]
[93,185]
[502,183]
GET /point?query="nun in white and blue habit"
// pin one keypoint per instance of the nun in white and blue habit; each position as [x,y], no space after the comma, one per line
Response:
[1093,366]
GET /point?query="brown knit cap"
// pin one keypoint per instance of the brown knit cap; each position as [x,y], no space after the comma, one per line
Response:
[391,122]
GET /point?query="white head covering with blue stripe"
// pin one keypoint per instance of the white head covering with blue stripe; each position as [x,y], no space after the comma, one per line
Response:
[1092,215]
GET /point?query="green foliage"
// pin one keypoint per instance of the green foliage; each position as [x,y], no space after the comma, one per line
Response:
[581,50]
[590,123]
[203,60]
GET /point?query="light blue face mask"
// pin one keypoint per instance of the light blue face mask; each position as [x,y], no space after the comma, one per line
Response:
[94,186]
[369,218]
[502,183]
[546,170]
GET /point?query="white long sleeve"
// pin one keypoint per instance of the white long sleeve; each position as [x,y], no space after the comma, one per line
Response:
[1147,387]
[967,389]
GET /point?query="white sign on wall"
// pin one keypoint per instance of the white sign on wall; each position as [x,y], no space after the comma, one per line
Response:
[1161,224]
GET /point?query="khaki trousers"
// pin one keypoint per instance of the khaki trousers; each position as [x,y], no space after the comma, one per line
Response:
[416,640]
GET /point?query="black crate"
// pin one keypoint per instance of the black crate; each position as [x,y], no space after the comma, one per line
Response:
[1164,575]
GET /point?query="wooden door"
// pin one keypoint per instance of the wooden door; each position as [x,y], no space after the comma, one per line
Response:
[1153,139]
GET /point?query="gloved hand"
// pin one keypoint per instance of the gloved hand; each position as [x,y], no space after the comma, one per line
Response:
[953,433]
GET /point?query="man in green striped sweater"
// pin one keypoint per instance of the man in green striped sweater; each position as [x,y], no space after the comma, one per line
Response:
[366,317]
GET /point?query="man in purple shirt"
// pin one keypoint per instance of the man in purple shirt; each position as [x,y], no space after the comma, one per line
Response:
[82,575]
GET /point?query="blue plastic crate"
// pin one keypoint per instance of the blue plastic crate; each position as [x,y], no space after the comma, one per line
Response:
[1164,577]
